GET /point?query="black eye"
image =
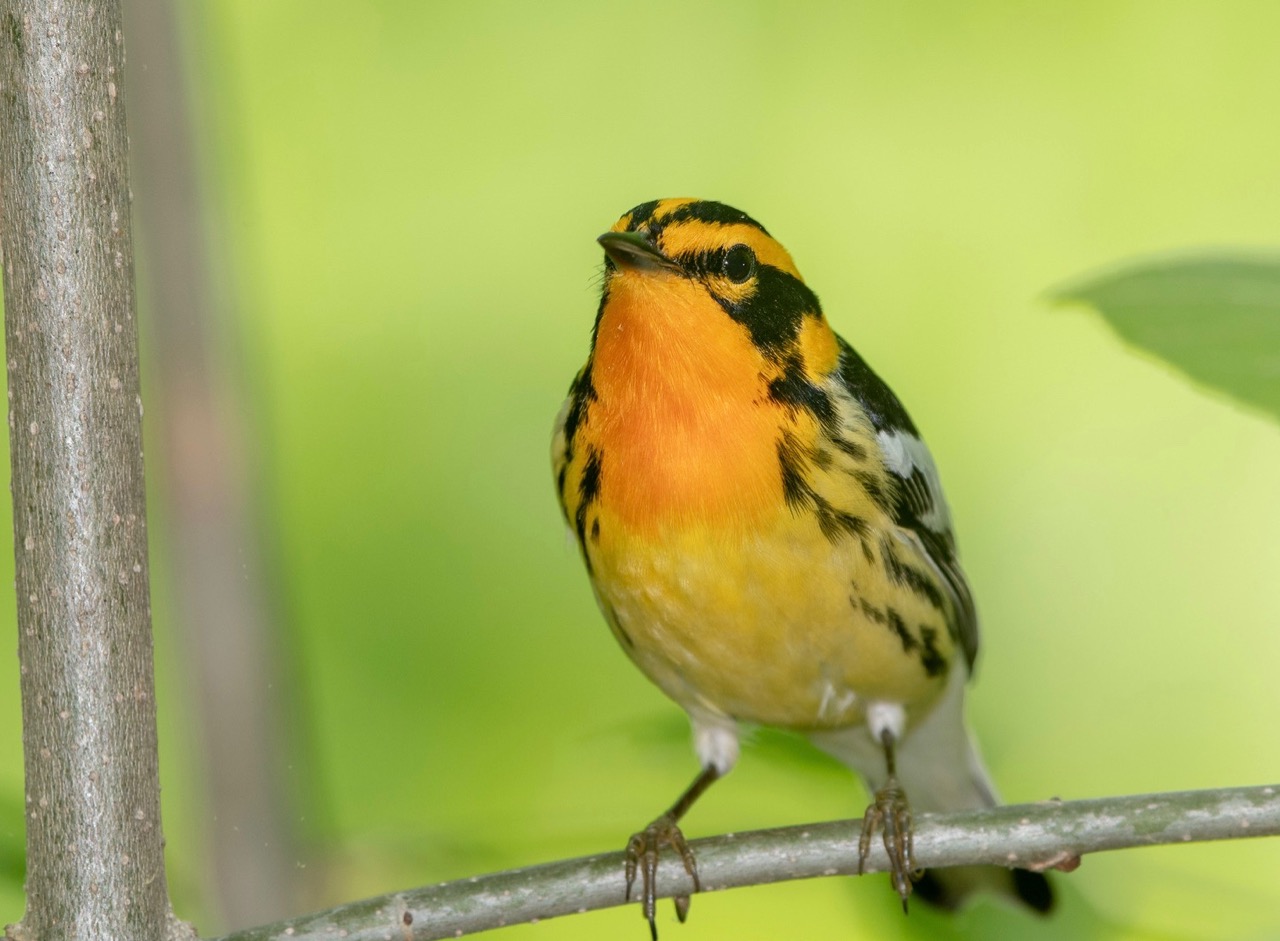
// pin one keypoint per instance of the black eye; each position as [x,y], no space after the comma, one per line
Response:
[739,264]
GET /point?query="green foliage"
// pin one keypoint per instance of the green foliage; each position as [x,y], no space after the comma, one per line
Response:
[1215,317]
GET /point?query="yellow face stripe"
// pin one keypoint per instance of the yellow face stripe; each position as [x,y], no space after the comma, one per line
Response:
[695,236]
[819,351]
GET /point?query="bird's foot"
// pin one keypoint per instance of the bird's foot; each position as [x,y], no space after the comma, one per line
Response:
[891,814]
[642,856]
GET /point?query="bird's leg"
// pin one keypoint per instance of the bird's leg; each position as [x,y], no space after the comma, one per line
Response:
[890,812]
[643,849]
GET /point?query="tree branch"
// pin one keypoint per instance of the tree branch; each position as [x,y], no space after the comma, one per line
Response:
[1031,836]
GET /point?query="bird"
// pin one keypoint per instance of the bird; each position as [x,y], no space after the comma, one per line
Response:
[766,535]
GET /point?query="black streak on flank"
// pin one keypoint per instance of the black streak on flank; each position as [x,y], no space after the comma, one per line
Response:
[890,619]
[800,495]
[899,627]
[588,490]
[933,662]
[903,574]
[589,485]
[795,489]
[875,489]
[561,477]
[581,394]
[835,523]
[851,448]
[870,610]
[595,530]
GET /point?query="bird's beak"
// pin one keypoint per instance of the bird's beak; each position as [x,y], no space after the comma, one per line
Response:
[635,250]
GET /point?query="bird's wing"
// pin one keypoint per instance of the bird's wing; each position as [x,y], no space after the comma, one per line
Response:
[560,453]
[566,426]
[919,505]
[572,413]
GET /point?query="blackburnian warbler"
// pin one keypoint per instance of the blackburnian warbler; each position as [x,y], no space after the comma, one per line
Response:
[766,533]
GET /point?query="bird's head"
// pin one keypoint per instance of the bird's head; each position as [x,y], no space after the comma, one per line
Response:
[706,275]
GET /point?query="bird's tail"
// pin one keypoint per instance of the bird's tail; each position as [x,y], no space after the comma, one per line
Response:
[940,770]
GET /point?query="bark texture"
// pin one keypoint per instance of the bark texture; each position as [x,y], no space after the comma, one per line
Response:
[95,864]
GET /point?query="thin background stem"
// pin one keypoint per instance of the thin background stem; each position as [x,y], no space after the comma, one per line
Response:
[228,629]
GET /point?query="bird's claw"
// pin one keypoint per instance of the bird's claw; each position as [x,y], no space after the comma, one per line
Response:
[891,814]
[642,856]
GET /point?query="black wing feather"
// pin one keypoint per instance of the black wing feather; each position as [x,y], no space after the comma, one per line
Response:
[917,502]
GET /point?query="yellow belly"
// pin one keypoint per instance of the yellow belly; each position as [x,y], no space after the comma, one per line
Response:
[772,623]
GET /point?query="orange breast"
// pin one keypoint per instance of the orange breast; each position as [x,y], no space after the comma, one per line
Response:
[683,422]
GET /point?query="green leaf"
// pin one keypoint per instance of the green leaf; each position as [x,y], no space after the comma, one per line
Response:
[1215,317]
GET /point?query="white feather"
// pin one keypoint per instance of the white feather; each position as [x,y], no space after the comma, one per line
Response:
[715,739]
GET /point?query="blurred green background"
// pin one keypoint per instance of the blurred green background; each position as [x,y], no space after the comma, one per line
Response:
[401,204]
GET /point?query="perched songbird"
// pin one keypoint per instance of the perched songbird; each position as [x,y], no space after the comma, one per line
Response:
[766,533]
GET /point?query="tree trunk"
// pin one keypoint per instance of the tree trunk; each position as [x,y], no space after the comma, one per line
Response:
[95,862]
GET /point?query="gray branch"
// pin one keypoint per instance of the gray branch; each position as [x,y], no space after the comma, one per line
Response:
[1031,836]
[95,863]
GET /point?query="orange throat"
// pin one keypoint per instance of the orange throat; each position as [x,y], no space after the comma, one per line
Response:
[682,419]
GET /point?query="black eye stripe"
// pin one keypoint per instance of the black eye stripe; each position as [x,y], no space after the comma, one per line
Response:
[714,262]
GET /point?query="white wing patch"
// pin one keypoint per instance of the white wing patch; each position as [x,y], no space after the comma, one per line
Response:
[904,453]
